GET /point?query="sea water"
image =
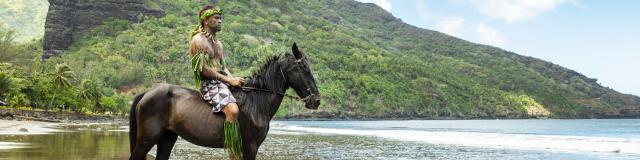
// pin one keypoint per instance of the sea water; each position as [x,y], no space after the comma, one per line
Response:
[584,138]
[412,139]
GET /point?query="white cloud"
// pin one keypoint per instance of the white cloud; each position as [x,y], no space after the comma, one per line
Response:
[421,7]
[488,35]
[451,25]
[384,4]
[512,10]
[480,33]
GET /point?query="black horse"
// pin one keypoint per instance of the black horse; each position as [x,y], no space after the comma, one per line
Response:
[165,112]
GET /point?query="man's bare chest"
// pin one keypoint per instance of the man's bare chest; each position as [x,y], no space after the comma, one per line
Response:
[214,50]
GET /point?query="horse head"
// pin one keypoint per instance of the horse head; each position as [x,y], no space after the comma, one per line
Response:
[298,76]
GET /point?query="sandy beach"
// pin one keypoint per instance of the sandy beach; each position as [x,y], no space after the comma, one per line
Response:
[13,127]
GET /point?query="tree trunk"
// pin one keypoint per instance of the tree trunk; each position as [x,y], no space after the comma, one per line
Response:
[51,102]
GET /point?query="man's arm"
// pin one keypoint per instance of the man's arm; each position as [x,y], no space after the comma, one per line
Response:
[210,73]
[226,71]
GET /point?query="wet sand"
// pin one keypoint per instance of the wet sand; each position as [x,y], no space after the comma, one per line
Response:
[12,127]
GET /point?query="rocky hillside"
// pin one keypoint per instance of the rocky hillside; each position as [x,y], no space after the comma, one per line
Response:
[368,63]
[68,18]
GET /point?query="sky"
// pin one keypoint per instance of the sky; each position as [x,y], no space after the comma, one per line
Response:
[599,39]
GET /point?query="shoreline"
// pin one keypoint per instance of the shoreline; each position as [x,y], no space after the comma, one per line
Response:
[78,118]
[70,117]
[58,117]
[326,115]
[30,122]
[309,117]
[18,127]
[436,119]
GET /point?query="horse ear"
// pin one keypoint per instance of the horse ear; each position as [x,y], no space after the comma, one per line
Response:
[296,51]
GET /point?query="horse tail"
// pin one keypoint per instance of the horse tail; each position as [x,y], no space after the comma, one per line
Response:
[133,127]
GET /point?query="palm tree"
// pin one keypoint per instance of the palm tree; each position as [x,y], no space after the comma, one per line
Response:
[62,77]
[88,90]
[5,84]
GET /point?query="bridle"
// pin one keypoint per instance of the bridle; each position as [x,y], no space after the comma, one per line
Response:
[297,65]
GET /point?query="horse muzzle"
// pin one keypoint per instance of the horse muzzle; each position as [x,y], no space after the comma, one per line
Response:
[313,102]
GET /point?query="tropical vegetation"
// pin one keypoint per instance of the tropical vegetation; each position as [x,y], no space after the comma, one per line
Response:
[367,64]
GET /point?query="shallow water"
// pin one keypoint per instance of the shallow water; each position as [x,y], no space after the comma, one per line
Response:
[76,142]
[490,139]
[602,136]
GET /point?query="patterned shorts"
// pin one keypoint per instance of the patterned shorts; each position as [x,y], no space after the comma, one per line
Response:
[217,94]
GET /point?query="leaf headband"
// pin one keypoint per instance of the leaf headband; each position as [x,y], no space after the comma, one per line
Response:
[209,12]
[205,14]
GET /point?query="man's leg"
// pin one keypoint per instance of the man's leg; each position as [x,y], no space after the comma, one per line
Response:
[231,112]
[232,136]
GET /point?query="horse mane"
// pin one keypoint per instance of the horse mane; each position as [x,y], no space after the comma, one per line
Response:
[257,78]
[269,61]
[267,77]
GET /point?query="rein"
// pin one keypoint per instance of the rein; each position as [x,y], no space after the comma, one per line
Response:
[247,89]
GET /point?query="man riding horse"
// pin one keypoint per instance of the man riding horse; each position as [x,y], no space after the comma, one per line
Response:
[214,78]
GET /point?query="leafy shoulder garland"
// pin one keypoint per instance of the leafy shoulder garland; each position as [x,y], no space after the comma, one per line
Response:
[197,63]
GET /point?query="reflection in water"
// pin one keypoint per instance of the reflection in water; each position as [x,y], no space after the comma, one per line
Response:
[80,142]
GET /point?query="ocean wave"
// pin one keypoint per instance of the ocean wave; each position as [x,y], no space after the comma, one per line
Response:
[490,140]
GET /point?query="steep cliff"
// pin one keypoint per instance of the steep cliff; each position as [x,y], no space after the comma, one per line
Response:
[67,18]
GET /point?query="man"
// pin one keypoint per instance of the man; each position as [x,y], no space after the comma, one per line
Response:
[206,54]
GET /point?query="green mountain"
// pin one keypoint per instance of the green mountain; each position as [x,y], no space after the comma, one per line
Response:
[368,63]
[25,16]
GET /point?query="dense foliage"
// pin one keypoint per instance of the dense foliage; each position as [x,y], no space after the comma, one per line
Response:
[27,83]
[366,62]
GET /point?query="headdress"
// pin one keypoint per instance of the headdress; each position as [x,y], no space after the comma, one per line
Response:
[203,16]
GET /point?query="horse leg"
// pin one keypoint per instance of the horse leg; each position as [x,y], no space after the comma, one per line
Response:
[146,138]
[165,145]
[250,151]
[141,149]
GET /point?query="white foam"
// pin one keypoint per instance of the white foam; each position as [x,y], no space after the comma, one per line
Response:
[13,145]
[118,130]
[285,132]
[490,140]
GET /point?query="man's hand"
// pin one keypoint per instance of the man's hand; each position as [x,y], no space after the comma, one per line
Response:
[236,81]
